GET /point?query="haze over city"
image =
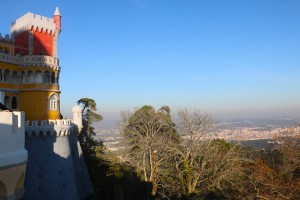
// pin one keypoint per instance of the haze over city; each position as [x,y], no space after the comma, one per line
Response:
[229,58]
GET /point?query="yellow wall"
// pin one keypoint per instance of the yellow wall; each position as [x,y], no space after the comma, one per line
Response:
[8,46]
[32,98]
[9,66]
[36,106]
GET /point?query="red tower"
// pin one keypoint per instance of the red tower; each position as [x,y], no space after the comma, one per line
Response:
[37,73]
[36,35]
[57,19]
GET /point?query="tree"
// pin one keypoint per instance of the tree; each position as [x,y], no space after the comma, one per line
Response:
[193,127]
[88,117]
[202,166]
[111,178]
[148,133]
[279,169]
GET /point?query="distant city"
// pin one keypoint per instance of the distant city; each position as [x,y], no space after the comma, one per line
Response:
[242,130]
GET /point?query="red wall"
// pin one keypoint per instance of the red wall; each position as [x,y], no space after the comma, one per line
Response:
[21,40]
[42,42]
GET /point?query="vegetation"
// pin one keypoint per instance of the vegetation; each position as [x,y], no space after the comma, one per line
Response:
[147,133]
[88,117]
[179,160]
[111,179]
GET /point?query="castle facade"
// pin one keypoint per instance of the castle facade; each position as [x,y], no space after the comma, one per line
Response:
[29,83]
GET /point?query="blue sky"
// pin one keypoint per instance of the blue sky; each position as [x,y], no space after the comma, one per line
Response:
[232,58]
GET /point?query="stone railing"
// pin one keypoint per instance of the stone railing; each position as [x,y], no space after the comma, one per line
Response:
[9,58]
[38,60]
[29,60]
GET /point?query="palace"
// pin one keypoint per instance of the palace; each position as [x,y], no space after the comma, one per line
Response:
[29,70]
[51,165]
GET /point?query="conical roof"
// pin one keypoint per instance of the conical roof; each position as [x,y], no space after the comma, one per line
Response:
[57,11]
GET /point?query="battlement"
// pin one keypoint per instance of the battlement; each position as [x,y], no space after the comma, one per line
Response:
[12,138]
[29,20]
[6,38]
[62,127]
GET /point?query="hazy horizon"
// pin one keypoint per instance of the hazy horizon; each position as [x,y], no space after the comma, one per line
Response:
[228,58]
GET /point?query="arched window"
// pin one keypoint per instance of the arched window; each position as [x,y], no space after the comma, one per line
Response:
[38,77]
[14,103]
[23,77]
[6,75]
[3,191]
[30,77]
[19,188]
[46,77]
[2,95]
[7,101]
[14,77]
[53,102]
[53,77]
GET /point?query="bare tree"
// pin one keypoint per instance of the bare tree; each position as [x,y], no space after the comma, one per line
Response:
[192,127]
[201,163]
[147,134]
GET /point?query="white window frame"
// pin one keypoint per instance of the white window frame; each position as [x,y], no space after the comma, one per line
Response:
[53,102]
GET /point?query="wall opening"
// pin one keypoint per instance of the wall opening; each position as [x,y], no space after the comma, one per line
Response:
[3,191]
[19,189]
[14,103]
[7,101]
[38,77]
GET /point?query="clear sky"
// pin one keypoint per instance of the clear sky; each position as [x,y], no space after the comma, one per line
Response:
[231,58]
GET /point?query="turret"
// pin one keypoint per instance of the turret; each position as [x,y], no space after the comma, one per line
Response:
[57,19]
[77,117]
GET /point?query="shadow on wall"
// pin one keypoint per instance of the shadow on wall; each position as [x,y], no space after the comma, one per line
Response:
[12,156]
[55,168]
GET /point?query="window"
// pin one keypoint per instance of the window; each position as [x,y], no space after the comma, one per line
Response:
[46,77]
[53,102]
[7,101]
[38,77]
[14,103]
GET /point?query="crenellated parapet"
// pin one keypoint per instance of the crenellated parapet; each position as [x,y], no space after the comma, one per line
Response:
[51,128]
[35,21]
[5,39]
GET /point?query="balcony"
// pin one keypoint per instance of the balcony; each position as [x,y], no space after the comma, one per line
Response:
[4,57]
[38,60]
[29,60]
